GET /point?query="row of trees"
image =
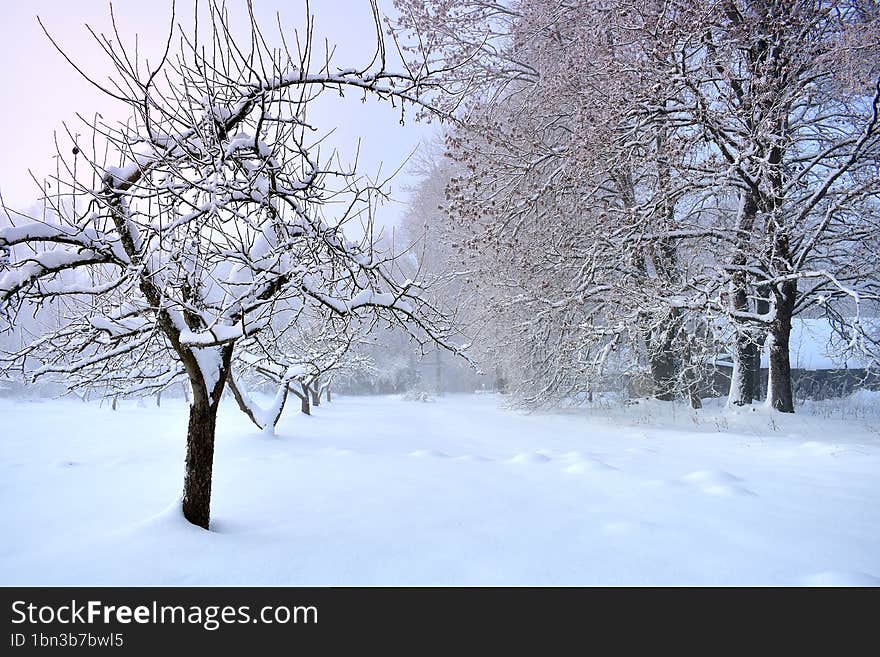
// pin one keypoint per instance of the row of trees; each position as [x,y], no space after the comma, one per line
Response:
[633,187]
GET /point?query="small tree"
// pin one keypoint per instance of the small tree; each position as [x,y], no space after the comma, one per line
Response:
[303,357]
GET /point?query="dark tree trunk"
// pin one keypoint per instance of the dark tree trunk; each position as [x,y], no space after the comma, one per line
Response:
[329,396]
[747,368]
[199,460]
[663,376]
[159,399]
[779,391]
[200,441]
[304,401]
[663,360]
[316,394]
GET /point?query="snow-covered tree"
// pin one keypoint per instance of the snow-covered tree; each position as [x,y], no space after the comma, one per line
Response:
[303,357]
[784,96]
[646,178]
[562,196]
[180,233]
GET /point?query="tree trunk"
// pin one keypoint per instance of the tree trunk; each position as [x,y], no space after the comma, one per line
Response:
[690,376]
[329,396]
[762,307]
[316,394]
[159,399]
[694,394]
[244,403]
[438,371]
[663,375]
[200,441]
[758,391]
[304,401]
[199,460]
[746,367]
[742,382]
[662,358]
[779,391]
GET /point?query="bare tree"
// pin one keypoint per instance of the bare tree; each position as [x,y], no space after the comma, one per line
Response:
[565,199]
[302,358]
[181,232]
[784,94]
[646,178]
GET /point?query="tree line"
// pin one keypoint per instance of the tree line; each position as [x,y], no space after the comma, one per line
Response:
[635,188]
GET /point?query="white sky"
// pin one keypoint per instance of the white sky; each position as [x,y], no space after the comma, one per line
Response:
[40,90]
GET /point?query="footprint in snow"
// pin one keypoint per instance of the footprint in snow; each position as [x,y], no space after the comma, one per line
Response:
[534,457]
[710,476]
[426,453]
[716,482]
[584,466]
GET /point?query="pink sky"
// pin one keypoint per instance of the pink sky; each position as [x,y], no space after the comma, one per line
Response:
[41,90]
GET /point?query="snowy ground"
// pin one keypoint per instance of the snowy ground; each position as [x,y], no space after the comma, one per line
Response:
[461,491]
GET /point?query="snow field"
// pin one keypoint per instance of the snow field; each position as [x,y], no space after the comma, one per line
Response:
[376,490]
